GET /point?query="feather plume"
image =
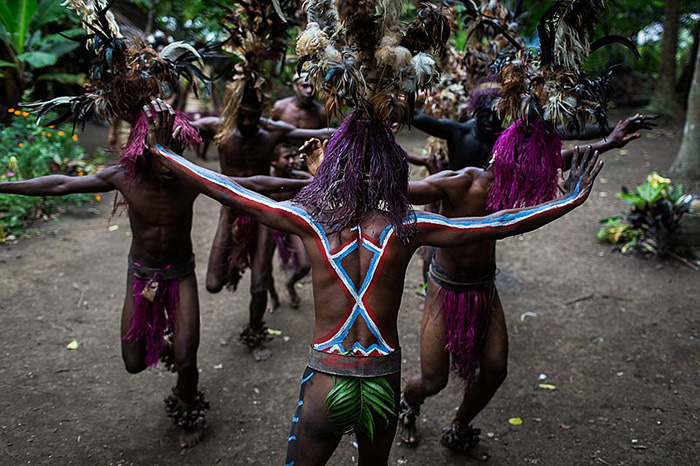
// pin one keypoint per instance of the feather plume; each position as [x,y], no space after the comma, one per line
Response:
[355,53]
[126,73]
[257,32]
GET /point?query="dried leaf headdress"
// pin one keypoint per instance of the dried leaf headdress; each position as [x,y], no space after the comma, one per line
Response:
[543,89]
[125,74]
[258,38]
[468,82]
[358,52]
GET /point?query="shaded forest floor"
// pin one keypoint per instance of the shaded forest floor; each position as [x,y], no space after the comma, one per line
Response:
[617,336]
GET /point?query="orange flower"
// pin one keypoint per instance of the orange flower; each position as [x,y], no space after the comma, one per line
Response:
[61,133]
[43,133]
[75,137]
[10,110]
[18,113]
[80,173]
[25,114]
[98,197]
[52,126]
[20,144]
[49,134]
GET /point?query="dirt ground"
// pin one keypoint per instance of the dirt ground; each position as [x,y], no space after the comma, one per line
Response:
[617,336]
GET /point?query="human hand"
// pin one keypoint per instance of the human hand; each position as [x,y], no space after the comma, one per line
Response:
[583,172]
[312,152]
[161,118]
[628,129]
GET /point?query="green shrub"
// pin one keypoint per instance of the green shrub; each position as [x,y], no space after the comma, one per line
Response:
[28,151]
[657,207]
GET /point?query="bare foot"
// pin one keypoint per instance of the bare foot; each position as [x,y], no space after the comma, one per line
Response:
[293,296]
[273,303]
[262,354]
[191,437]
[407,432]
[407,423]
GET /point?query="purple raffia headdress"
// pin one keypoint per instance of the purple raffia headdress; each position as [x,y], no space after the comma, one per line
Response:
[133,158]
[364,170]
[525,161]
[483,95]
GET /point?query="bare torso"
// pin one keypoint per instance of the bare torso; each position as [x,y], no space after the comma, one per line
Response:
[248,156]
[160,213]
[291,111]
[376,257]
[470,203]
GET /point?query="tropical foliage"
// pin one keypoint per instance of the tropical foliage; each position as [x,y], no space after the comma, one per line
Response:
[657,207]
[354,402]
[28,151]
[25,49]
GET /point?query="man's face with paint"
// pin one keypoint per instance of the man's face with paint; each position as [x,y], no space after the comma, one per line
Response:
[248,121]
[304,91]
[488,122]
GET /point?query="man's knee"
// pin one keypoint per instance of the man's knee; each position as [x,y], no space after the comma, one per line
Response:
[495,373]
[259,284]
[434,383]
[134,365]
[214,284]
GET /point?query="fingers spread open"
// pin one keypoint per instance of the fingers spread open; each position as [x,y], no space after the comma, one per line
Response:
[574,161]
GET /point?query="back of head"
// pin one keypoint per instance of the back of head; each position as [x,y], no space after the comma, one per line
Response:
[364,171]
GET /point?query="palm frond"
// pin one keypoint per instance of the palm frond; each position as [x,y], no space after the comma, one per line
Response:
[353,403]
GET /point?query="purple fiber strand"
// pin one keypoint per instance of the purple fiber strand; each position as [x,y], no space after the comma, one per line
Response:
[479,98]
[133,157]
[364,170]
[286,251]
[466,318]
[153,320]
[526,159]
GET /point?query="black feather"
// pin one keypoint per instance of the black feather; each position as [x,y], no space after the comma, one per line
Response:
[615,39]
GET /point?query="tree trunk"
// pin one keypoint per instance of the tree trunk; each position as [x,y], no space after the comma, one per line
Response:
[686,78]
[664,99]
[687,162]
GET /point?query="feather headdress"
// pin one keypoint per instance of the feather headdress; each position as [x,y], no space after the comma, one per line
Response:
[125,74]
[542,89]
[257,32]
[358,52]
[467,82]
[491,29]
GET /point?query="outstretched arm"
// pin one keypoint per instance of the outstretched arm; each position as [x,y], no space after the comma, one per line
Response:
[435,230]
[271,184]
[625,131]
[60,185]
[294,135]
[207,126]
[438,128]
[215,185]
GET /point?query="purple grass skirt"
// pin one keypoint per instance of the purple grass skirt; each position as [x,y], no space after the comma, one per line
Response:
[244,236]
[466,305]
[154,319]
[286,251]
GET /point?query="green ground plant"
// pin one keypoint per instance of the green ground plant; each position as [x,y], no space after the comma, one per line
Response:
[28,151]
[657,207]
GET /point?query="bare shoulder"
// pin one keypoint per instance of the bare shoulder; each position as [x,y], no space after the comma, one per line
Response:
[321,110]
